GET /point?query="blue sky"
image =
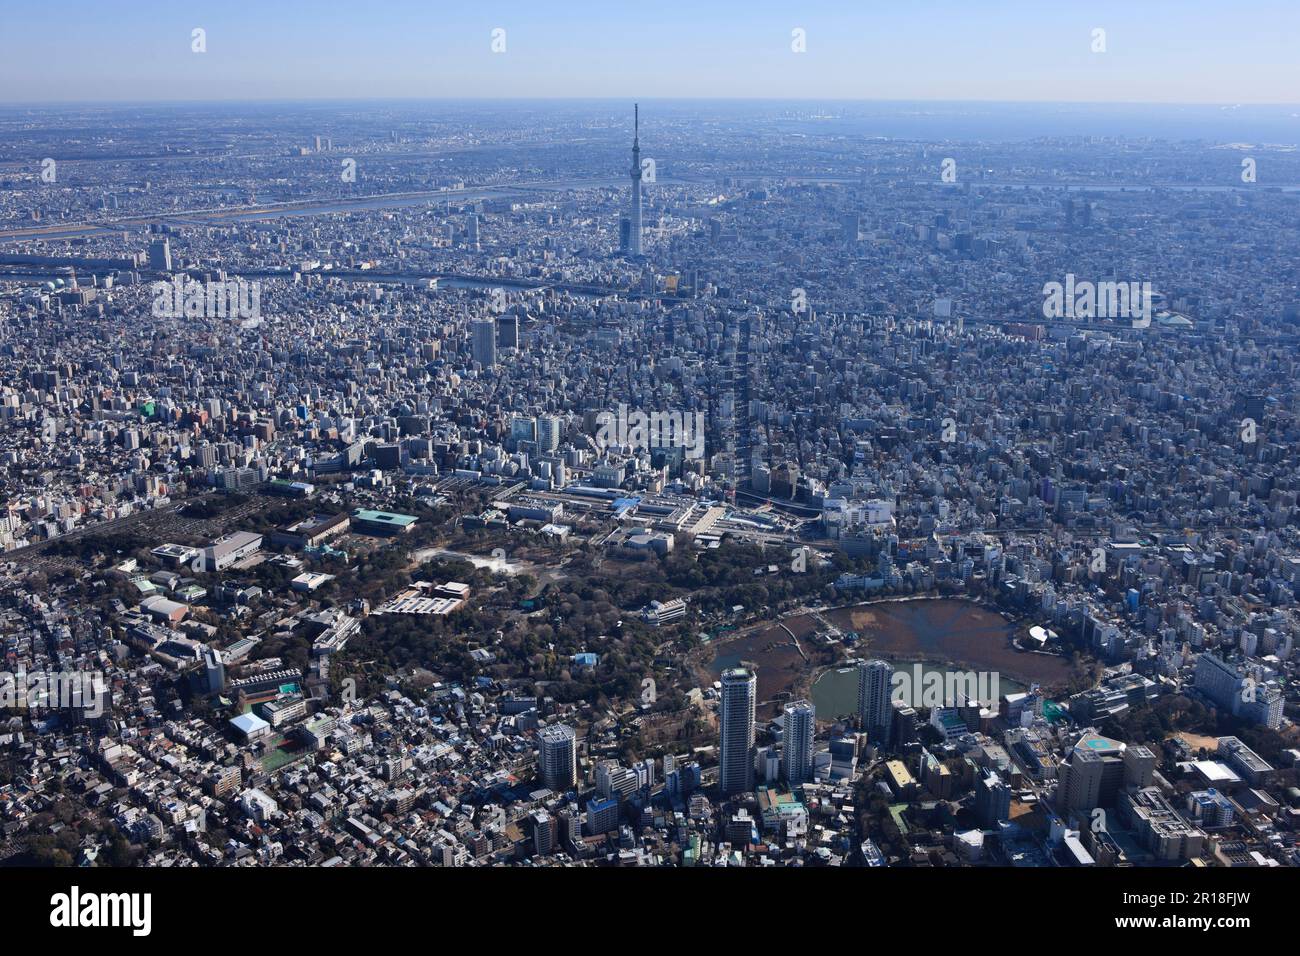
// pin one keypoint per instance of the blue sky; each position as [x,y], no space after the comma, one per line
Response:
[1175,51]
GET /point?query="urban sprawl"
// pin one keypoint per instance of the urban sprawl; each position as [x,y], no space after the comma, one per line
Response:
[566,486]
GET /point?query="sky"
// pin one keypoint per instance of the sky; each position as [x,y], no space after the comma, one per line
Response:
[1156,51]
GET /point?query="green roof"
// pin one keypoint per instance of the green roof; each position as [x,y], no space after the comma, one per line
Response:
[384,517]
[896,810]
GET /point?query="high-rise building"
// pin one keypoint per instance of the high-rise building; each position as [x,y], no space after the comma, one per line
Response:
[1218,680]
[632,244]
[616,781]
[160,255]
[214,670]
[645,773]
[471,231]
[523,428]
[1078,782]
[797,736]
[736,767]
[1234,688]
[558,757]
[508,331]
[484,341]
[1091,775]
[569,826]
[992,800]
[905,725]
[602,815]
[1139,766]
[549,430]
[1265,709]
[767,765]
[875,712]
[545,833]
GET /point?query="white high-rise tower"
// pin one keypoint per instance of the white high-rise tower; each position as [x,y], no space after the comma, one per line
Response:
[557,757]
[797,738]
[634,216]
[736,713]
[875,710]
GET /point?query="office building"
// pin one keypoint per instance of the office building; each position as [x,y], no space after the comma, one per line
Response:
[508,331]
[484,341]
[160,255]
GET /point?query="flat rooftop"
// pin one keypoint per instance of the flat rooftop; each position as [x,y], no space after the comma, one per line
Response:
[384,517]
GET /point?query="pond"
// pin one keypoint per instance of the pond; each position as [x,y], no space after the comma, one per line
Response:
[940,634]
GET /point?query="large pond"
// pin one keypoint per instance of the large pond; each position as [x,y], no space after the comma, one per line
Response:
[941,635]
[835,692]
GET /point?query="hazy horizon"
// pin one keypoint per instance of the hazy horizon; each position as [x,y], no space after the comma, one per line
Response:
[327,100]
[1265,125]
